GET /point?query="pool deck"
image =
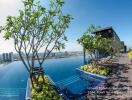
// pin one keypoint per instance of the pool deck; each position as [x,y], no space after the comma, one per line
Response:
[121,81]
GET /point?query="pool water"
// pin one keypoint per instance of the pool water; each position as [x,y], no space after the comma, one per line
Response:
[13,76]
[76,84]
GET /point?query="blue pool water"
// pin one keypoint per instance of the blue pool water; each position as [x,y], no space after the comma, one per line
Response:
[13,76]
[80,82]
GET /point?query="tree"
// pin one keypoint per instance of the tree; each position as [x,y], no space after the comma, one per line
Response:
[94,45]
[101,45]
[92,28]
[37,29]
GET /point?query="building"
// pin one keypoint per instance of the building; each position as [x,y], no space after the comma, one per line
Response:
[8,57]
[109,32]
[124,47]
[4,57]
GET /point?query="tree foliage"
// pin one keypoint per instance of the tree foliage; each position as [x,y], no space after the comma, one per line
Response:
[92,28]
[37,29]
[94,44]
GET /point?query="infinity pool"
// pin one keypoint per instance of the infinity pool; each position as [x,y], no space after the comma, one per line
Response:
[81,81]
[13,76]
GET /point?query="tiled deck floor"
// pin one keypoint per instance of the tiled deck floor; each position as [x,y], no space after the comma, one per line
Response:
[121,80]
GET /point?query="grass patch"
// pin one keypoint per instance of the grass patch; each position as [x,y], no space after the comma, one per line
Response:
[101,70]
[48,92]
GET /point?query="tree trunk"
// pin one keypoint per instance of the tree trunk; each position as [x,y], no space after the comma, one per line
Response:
[84,53]
[32,81]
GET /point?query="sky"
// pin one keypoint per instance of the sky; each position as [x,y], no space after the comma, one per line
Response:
[115,13]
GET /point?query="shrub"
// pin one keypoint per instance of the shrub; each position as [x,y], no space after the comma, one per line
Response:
[48,92]
[97,70]
[130,55]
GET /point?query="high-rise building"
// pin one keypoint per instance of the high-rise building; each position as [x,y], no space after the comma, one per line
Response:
[11,56]
[4,57]
[8,57]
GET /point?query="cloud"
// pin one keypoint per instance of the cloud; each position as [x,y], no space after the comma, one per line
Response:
[73,46]
[8,7]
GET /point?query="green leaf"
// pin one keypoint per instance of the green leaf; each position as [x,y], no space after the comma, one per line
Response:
[7,35]
[8,18]
[1,28]
[32,21]
[21,13]
[53,13]
[24,38]
[65,38]
[36,14]
[51,4]
[60,2]
[43,9]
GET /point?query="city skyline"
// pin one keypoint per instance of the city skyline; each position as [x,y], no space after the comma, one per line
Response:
[98,12]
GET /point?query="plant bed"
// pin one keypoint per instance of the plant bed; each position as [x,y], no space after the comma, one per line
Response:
[101,70]
[48,91]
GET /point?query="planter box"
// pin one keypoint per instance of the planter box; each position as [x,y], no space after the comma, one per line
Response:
[82,72]
[29,88]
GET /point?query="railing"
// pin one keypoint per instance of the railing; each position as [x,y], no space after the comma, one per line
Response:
[28,90]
